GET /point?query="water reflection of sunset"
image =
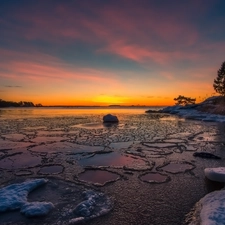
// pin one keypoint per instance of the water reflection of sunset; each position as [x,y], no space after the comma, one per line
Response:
[70,111]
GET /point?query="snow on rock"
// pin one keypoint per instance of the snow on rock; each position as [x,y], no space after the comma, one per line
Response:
[15,196]
[191,113]
[215,174]
[110,118]
[31,209]
[77,220]
[95,204]
[210,209]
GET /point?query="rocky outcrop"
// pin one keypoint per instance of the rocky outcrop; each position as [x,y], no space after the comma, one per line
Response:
[110,119]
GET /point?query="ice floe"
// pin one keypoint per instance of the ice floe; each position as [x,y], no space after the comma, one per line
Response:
[98,177]
[116,160]
[176,167]
[153,177]
[51,169]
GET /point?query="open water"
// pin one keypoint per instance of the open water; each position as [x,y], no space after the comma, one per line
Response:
[145,163]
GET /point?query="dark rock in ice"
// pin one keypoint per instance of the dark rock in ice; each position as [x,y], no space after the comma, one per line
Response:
[206,155]
[110,118]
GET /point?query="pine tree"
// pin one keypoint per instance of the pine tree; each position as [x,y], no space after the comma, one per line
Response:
[182,100]
[219,82]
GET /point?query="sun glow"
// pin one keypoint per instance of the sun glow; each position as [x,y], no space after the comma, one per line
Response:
[109,100]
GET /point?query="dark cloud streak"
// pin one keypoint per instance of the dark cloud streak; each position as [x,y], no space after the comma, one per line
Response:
[12,86]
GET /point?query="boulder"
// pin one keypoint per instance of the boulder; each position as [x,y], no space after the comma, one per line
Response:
[110,119]
[215,174]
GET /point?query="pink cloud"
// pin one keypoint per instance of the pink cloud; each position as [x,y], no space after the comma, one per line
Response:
[142,54]
[44,68]
[127,29]
[128,23]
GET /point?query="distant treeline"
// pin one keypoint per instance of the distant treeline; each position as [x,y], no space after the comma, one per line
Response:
[4,103]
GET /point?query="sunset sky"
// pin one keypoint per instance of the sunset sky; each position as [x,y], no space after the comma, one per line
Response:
[102,52]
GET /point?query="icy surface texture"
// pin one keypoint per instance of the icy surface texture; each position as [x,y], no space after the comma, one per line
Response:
[15,196]
[36,208]
[95,204]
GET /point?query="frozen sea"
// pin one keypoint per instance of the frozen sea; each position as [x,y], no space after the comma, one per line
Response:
[144,165]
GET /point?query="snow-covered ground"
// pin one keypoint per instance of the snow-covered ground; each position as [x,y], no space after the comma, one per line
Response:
[14,197]
[192,113]
[210,210]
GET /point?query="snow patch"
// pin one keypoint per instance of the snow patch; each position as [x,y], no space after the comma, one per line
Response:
[95,204]
[192,113]
[36,208]
[15,196]
[212,209]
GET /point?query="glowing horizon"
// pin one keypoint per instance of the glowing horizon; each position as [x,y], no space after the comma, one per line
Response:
[111,53]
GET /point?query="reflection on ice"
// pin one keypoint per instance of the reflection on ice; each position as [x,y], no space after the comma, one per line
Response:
[154,177]
[176,167]
[175,140]
[8,145]
[98,177]
[66,147]
[115,159]
[159,144]
[90,126]
[23,173]
[119,145]
[22,160]
[14,137]
[45,139]
[51,169]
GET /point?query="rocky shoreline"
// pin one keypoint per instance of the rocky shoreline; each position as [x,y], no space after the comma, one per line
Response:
[210,110]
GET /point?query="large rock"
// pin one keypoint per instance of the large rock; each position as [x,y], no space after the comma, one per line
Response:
[110,119]
[215,174]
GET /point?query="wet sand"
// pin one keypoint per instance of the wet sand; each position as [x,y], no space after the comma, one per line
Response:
[145,164]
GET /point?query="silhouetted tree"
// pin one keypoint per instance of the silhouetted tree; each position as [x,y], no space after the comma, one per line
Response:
[219,82]
[182,100]
[4,103]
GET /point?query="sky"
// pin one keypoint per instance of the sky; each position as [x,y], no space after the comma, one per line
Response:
[104,52]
